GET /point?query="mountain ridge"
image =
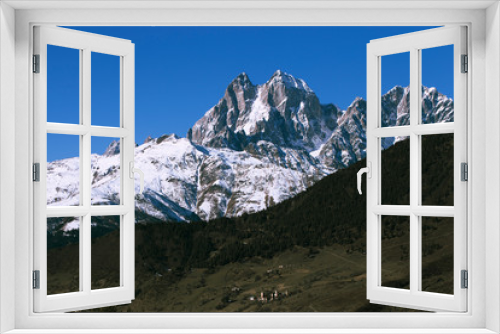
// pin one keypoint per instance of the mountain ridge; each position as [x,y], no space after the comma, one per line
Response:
[284,111]
[259,145]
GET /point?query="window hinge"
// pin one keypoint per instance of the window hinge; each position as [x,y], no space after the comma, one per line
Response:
[36,172]
[36,279]
[464,172]
[465,279]
[465,64]
[36,63]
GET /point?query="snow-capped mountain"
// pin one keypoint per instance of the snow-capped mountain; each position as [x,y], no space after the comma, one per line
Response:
[185,181]
[258,146]
[283,111]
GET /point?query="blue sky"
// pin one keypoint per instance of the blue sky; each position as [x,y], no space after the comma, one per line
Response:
[181,72]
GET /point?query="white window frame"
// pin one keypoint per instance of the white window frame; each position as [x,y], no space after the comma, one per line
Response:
[86,44]
[414,43]
[484,212]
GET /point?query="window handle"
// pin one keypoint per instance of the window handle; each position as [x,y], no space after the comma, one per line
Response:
[134,170]
[368,171]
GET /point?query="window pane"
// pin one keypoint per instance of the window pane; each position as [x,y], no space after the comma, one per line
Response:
[396,252]
[437,254]
[105,252]
[106,171]
[395,170]
[63,170]
[437,169]
[63,85]
[437,85]
[63,255]
[105,90]
[395,73]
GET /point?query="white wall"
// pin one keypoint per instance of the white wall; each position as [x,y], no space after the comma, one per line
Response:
[7,160]
[492,164]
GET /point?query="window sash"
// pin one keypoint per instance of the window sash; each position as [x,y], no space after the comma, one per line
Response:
[87,43]
[413,43]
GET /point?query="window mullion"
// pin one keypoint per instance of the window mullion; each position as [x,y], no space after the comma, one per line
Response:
[414,171]
[82,220]
[85,155]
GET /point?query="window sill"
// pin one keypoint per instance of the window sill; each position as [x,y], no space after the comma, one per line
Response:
[251,331]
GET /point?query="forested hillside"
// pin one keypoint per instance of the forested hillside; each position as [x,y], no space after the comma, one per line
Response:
[305,254]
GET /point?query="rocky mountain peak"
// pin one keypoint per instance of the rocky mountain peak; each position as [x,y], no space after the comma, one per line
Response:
[168,137]
[436,107]
[279,73]
[396,106]
[281,78]
[397,90]
[242,79]
[356,110]
[112,149]
[283,111]
[240,89]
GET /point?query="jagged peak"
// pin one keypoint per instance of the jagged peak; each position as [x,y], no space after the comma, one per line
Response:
[282,78]
[280,73]
[425,90]
[357,100]
[167,137]
[241,79]
[397,89]
[432,92]
[356,108]
[112,149]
